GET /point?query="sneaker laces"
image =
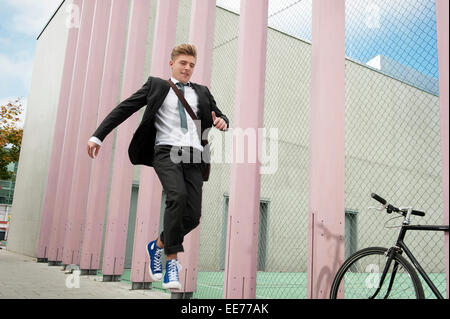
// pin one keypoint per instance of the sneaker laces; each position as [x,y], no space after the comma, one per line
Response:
[172,271]
[157,260]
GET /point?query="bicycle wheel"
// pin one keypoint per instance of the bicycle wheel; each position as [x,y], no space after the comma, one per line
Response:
[359,277]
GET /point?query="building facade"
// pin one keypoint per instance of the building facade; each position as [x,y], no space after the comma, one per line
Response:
[392,148]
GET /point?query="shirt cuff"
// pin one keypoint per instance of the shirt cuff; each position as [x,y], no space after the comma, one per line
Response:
[95,140]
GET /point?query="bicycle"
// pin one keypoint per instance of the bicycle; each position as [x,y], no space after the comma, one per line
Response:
[360,277]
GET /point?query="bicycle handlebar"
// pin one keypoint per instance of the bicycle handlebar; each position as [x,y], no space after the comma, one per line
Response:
[390,208]
[378,198]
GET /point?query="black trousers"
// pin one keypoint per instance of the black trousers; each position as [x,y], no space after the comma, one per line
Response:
[179,170]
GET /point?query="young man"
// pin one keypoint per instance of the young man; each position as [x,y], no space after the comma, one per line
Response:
[166,129]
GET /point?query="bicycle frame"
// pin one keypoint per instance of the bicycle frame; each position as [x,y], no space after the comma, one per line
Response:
[400,247]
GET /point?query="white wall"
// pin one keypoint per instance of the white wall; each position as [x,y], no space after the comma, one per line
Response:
[38,136]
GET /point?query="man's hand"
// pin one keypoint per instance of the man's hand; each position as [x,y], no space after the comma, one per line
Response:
[219,122]
[92,149]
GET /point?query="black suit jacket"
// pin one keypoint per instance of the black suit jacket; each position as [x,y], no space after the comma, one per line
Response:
[153,94]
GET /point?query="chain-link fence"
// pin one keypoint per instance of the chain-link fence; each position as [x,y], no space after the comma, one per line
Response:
[283,220]
[392,133]
[392,137]
[392,126]
[213,226]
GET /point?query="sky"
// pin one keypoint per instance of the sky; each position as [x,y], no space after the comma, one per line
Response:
[403,30]
[21,21]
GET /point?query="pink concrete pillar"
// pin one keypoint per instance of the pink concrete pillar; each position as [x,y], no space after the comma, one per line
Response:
[119,199]
[71,133]
[326,147]
[442,28]
[58,139]
[243,211]
[201,34]
[150,189]
[109,96]
[89,107]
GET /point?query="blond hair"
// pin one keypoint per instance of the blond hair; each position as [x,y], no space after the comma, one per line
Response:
[185,48]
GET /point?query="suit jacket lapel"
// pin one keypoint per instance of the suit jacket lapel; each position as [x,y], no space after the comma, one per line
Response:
[163,91]
[201,100]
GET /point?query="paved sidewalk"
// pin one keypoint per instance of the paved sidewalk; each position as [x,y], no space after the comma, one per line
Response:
[21,277]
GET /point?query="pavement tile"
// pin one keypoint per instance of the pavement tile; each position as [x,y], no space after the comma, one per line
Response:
[21,277]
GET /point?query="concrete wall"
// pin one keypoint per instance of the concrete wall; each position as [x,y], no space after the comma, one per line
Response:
[38,136]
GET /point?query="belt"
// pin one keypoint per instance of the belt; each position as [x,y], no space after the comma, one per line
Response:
[178,149]
[187,154]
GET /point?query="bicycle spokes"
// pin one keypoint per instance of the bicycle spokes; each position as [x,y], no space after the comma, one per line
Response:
[375,275]
[383,276]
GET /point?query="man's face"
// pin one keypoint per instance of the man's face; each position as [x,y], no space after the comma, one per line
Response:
[183,67]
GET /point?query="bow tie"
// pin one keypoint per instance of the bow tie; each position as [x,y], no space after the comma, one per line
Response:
[180,84]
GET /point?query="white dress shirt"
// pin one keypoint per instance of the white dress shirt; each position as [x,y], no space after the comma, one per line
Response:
[168,123]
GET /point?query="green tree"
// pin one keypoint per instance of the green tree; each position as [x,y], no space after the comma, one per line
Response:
[10,137]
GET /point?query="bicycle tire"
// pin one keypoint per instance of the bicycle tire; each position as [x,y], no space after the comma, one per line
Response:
[380,254]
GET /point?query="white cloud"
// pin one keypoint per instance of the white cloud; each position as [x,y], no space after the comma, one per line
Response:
[30,16]
[5,42]
[16,72]
[371,13]
[16,68]
[26,17]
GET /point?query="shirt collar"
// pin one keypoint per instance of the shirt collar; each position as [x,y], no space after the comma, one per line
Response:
[175,81]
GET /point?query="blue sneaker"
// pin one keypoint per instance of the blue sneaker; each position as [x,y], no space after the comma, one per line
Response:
[155,265]
[171,278]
